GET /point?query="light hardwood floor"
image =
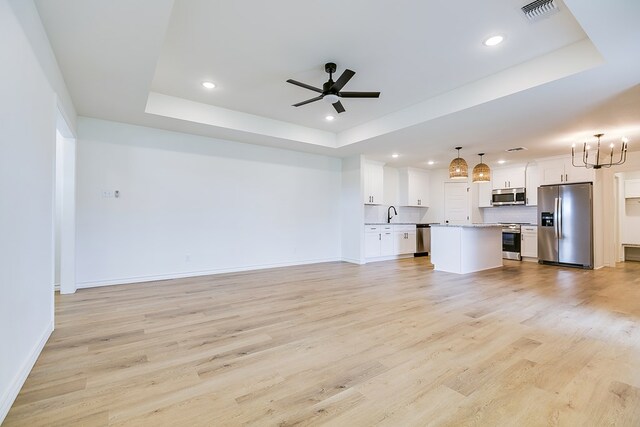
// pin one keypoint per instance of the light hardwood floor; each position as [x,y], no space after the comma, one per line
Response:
[391,343]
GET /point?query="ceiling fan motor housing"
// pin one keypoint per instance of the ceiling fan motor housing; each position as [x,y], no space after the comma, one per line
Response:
[330,67]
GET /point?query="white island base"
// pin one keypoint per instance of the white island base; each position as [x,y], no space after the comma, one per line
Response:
[466,248]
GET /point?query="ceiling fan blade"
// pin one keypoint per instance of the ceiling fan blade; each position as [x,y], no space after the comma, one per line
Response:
[338,106]
[304,85]
[344,78]
[308,101]
[359,94]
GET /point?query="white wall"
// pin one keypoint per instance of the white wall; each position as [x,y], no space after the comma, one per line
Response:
[26,13]
[192,205]
[352,208]
[507,214]
[27,153]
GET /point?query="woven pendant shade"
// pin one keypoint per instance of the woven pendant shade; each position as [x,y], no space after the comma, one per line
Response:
[481,171]
[458,168]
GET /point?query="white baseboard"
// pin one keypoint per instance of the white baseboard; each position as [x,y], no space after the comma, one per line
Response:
[388,258]
[182,275]
[353,261]
[11,393]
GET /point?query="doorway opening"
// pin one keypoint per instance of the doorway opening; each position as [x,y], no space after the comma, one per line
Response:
[627,216]
[65,208]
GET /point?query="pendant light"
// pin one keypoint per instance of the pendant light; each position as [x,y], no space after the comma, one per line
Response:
[481,171]
[458,168]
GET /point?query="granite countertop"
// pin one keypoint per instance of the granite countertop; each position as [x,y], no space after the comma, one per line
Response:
[468,225]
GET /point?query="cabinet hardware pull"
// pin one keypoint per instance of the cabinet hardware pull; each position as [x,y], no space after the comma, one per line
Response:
[379,236]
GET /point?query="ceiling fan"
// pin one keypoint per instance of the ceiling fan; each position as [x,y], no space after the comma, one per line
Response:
[331,91]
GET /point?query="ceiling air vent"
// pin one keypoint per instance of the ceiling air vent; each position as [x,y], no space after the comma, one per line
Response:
[513,150]
[539,9]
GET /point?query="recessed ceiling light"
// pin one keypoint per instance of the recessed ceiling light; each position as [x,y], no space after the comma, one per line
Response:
[501,161]
[430,162]
[394,155]
[208,85]
[493,40]
[329,118]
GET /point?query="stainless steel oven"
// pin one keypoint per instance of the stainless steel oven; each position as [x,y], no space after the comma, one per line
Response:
[511,241]
[508,197]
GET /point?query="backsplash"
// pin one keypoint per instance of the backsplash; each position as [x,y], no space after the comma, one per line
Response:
[405,214]
[507,214]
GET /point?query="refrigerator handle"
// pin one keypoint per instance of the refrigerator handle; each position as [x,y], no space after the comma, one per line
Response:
[555,217]
[559,217]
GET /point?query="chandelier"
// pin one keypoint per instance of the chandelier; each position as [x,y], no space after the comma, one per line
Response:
[595,159]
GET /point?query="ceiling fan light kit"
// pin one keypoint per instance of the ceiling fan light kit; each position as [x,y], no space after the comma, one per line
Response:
[599,162]
[331,91]
[481,171]
[458,168]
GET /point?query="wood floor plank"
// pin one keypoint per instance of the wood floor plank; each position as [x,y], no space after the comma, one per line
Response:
[389,343]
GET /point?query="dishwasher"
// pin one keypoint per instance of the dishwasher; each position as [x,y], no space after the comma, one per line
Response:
[423,239]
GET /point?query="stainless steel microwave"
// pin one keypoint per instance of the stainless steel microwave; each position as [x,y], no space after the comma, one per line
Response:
[508,196]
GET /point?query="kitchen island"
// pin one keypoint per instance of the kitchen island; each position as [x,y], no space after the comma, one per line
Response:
[466,248]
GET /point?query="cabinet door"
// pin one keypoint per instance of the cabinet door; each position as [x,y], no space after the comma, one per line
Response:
[551,172]
[387,244]
[515,177]
[368,184]
[632,188]
[414,188]
[373,175]
[372,245]
[484,195]
[499,178]
[398,238]
[574,174]
[422,190]
[410,243]
[529,246]
[532,185]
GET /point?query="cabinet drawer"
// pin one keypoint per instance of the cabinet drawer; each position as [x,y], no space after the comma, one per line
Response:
[372,229]
[529,229]
[404,228]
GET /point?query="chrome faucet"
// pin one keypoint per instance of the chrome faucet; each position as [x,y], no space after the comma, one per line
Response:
[389,213]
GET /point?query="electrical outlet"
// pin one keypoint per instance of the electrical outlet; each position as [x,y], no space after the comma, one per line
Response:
[187,258]
[107,194]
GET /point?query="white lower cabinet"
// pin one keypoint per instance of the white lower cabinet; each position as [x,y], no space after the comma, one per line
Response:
[372,244]
[389,240]
[529,246]
[405,239]
[386,244]
[378,241]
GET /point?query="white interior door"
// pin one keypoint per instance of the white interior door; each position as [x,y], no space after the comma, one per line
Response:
[456,203]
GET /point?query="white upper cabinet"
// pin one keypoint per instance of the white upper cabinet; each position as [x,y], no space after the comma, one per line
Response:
[373,182]
[484,195]
[561,171]
[414,187]
[632,188]
[533,177]
[508,178]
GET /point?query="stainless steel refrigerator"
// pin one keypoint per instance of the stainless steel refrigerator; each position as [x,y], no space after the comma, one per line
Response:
[565,227]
